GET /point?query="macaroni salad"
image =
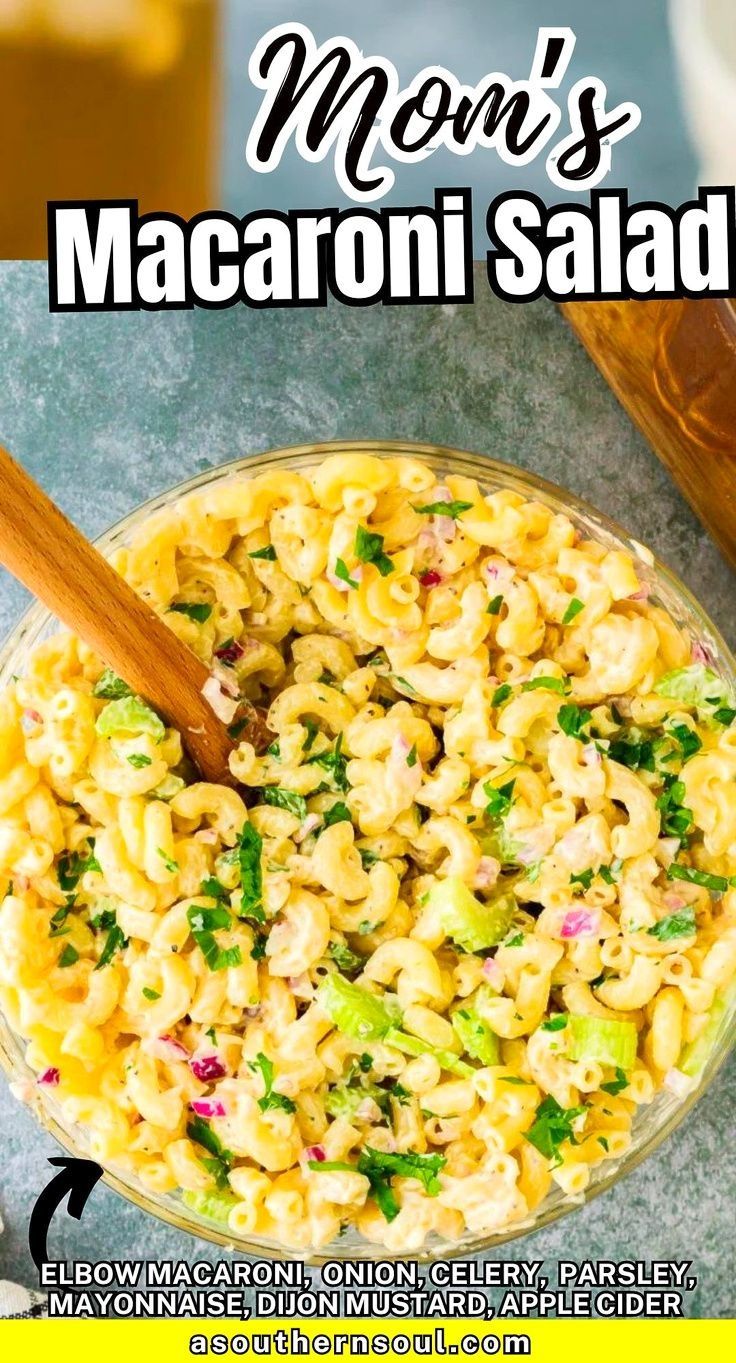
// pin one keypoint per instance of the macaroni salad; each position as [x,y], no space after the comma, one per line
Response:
[468,903]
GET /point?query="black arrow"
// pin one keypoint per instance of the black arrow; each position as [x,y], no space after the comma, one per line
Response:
[77,1178]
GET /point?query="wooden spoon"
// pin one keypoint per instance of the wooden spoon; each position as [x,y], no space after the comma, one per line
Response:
[47,553]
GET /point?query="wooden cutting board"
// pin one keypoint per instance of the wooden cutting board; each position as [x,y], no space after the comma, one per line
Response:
[672,365]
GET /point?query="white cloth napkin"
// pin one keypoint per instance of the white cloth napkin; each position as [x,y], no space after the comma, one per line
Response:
[21,1303]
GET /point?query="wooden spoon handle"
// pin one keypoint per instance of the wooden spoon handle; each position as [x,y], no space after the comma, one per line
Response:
[47,553]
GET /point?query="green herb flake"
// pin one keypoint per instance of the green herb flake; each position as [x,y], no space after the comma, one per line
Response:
[150,994]
[552,1127]
[110,687]
[453,509]
[249,850]
[171,866]
[555,1024]
[198,611]
[342,572]
[500,799]
[717,884]
[369,549]
[679,924]
[69,956]
[494,606]
[115,941]
[270,1100]
[617,1085]
[572,720]
[500,694]
[138,760]
[338,813]
[268,553]
[284,799]
[560,684]
[574,608]
[220,1160]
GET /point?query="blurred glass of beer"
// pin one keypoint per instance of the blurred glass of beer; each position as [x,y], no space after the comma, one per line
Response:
[104,99]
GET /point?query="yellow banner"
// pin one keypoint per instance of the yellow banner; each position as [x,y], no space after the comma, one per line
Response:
[173,1341]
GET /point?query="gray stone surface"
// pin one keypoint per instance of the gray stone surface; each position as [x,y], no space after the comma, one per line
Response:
[106,410]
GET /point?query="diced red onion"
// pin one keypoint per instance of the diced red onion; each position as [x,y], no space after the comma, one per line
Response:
[591,755]
[487,873]
[701,653]
[50,1077]
[669,848]
[642,593]
[315,1152]
[208,1107]
[208,1068]
[493,973]
[165,1048]
[308,826]
[301,986]
[580,923]
[355,573]
[368,1111]
[673,901]
[678,1083]
[431,578]
[229,654]
[30,721]
[223,706]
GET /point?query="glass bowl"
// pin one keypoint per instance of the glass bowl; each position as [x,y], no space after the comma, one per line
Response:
[652,1123]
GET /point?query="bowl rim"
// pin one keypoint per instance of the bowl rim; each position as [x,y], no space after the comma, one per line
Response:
[36,617]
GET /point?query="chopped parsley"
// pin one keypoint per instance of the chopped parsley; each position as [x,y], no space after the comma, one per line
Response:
[270,1100]
[617,1085]
[379,1167]
[687,739]
[368,857]
[69,956]
[71,866]
[347,961]
[411,757]
[312,731]
[114,941]
[499,799]
[138,760]
[343,573]
[57,921]
[494,606]
[676,820]
[725,715]
[583,878]
[453,509]
[284,799]
[204,923]
[110,687]
[339,813]
[574,608]
[249,848]
[369,549]
[150,994]
[572,720]
[501,694]
[516,941]
[335,763]
[268,552]
[198,611]
[258,949]
[171,866]
[560,684]
[680,924]
[220,1160]
[552,1127]
[213,888]
[555,1024]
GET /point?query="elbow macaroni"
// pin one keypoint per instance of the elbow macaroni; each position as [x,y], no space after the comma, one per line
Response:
[466,696]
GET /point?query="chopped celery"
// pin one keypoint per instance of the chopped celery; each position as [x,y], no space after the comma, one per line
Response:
[499,844]
[215,1206]
[471,924]
[605,1040]
[476,1037]
[344,1099]
[695,685]
[413,1045]
[169,787]
[696,1053]
[355,1011]
[130,715]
